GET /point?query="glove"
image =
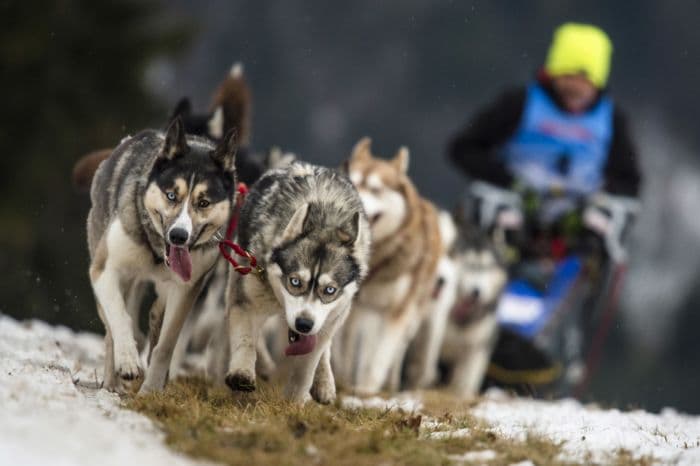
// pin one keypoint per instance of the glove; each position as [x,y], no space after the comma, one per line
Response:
[609,217]
[496,207]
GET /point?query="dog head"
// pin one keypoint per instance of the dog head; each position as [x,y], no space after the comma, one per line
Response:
[383,186]
[481,277]
[210,125]
[315,269]
[189,193]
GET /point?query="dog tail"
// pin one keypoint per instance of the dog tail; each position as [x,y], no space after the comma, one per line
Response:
[231,106]
[85,168]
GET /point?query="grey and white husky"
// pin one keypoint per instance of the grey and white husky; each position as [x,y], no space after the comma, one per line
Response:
[473,327]
[158,204]
[308,230]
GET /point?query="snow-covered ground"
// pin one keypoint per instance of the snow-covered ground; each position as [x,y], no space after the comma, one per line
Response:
[51,413]
[670,438]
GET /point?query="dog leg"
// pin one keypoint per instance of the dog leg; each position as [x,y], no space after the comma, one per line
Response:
[474,359]
[393,384]
[323,388]
[340,347]
[127,363]
[109,377]
[155,324]
[136,293]
[301,373]
[469,372]
[180,351]
[265,364]
[364,337]
[178,305]
[347,353]
[383,355]
[109,380]
[244,328]
[422,367]
[217,354]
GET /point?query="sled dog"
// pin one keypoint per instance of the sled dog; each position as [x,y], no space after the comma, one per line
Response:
[394,299]
[307,228]
[159,203]
[473,328]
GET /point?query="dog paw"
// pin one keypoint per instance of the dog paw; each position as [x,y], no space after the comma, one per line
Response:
[127,364]
[147,388]
[241,381]
[297,397]
[323,393]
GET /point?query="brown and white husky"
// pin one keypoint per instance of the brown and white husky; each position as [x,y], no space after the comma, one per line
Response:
[393,301]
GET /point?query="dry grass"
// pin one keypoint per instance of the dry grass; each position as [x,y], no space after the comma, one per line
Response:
[261,428]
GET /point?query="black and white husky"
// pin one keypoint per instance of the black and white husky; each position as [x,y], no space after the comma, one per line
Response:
[159,203]
[307,227]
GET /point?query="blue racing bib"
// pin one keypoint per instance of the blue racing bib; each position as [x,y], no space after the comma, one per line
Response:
[553,149]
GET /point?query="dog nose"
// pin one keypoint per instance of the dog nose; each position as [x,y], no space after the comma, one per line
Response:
[303,325]
[178,236]
[475,294]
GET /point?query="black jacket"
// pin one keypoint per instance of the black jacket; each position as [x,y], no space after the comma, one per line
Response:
[475,148]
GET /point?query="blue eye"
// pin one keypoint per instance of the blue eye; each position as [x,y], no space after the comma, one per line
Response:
[330,290]
[171,196]
[295,282]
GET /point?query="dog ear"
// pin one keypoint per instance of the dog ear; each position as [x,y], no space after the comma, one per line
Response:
[182,108]
[175,143]
[361,151]
[295,227]
[400,160]
[348,233]
[215,124]
[361,241]
[225,153]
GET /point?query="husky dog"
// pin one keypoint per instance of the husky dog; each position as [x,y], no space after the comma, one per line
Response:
[230,109]
[306,226]
[473,327]
[158,203]
[393,301]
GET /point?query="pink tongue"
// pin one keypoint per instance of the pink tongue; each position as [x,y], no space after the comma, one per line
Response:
[304,345]
[461,310]
[181,262]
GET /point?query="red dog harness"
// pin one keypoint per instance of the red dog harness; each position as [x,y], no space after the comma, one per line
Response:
[227,242]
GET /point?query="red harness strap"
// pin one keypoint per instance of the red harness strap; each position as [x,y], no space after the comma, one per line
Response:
[228,242]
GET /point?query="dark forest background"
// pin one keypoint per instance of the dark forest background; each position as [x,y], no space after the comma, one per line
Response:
[78,75]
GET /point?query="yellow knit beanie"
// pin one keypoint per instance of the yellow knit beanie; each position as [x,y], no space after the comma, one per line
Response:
[580,48]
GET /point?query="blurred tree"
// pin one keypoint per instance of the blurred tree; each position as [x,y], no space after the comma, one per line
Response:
[73,81]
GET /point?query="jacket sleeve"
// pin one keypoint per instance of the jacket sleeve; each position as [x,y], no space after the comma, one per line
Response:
[475,149]
[622,176]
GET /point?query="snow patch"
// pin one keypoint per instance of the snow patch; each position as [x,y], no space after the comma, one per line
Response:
[669,437]
[401,402]
[51,411]
[447,434]
[473,456]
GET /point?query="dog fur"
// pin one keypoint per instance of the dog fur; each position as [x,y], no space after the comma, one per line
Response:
[406,248]
[307,228]
[158,203]
[473,327]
